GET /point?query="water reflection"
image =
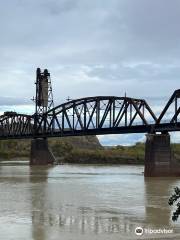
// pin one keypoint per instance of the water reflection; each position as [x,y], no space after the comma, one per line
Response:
[82,223]
[81,202]
[157,192]
[70,218]
[38,180]
[53,206]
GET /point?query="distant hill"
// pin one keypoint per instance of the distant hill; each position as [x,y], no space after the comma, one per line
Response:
[82,142]
[59,146]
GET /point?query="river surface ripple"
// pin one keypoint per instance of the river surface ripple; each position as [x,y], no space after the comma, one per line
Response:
[74,202]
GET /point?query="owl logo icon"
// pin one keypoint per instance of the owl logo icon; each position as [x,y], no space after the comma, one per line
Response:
[139,231]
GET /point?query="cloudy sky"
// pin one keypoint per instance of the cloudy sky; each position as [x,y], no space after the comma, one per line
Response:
[97,47]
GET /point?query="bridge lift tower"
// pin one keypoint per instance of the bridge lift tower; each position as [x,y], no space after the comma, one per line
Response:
[40,153]
[44,96]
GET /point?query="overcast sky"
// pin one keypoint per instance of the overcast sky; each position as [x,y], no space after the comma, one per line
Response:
[97,47]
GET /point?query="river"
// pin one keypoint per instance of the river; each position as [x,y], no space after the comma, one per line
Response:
[75,202]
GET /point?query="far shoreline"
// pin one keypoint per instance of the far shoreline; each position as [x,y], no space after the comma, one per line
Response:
[26,159]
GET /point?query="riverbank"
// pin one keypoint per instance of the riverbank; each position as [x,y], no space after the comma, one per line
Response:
[118,155]
[81,150]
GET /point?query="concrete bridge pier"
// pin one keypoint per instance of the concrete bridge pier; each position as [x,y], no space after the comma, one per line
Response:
[159,161]
[40,153]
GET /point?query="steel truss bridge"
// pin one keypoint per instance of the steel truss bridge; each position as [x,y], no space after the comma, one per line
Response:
[92,116]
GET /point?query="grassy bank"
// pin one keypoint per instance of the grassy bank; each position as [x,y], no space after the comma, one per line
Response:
[83,150]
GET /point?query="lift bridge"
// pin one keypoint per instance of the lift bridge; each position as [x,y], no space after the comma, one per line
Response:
[95,116]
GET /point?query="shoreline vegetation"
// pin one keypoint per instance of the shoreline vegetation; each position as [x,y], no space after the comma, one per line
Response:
[81,150]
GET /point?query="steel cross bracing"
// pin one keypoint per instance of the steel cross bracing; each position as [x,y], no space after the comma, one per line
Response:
[93,115]
[13,125]
[96,115]
[89,116]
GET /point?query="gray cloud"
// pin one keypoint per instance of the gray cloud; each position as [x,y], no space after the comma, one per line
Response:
[10,101]
[91,48]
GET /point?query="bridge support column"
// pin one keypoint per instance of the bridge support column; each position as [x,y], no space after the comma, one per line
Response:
[40,153]
[159,160]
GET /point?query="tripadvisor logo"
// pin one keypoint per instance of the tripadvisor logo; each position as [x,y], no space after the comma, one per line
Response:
[139,231]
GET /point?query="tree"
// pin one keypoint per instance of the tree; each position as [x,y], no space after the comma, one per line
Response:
[174,199]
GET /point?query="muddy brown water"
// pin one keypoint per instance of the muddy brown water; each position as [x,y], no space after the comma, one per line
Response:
[74,202]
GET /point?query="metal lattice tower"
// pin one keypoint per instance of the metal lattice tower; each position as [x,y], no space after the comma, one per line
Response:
[44,96]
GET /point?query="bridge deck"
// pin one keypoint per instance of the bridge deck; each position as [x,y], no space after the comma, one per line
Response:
[92,116]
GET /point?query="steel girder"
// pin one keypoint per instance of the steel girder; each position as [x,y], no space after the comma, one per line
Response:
[93,116]
[170,113]
[13,125]
[96,114]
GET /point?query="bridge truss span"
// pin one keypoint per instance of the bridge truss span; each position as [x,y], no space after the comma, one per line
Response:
[171,112]
[15,125]
[97,115]
[88,116]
